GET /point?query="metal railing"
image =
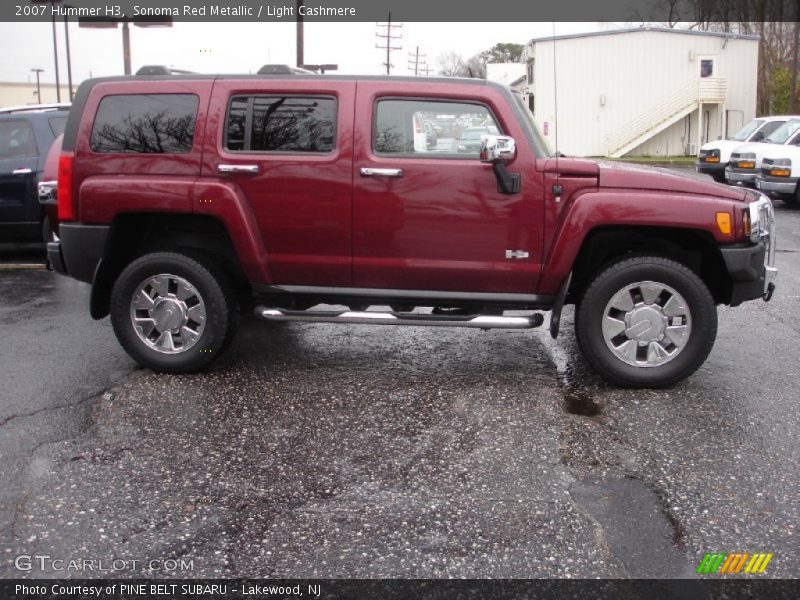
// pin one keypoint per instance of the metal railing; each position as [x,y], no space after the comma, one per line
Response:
[703,90]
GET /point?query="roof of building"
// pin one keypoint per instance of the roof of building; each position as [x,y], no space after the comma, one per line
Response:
[719,34]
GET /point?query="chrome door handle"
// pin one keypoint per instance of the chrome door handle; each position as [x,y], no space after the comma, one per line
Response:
[21,172]
[371,172]
[237,168]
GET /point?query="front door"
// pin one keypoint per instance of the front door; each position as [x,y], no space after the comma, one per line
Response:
[288,147]
[427,214]
[19,206]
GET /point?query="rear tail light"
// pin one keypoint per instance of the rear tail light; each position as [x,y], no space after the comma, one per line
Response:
[66,208]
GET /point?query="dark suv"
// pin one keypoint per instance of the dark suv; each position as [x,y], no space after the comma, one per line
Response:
[26,134]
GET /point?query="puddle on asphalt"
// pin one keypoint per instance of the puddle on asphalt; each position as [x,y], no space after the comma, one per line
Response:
[579,402]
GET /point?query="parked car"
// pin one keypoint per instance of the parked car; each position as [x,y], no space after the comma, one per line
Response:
[26,134]
[780,175]
[470,140]
[745,162]
[185,200]
[714,156]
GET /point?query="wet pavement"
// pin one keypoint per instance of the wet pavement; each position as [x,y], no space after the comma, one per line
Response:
[357,451]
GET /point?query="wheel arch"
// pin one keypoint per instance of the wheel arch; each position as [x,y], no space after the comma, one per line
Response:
[132,235]
[696,249]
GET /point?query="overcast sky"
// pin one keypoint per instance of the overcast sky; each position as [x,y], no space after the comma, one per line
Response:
[244,47]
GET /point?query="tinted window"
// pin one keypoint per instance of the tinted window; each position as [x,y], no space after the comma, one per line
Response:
[399,128]
[57,125]
[16,139]
[145,123]
[281,124]
[706,67]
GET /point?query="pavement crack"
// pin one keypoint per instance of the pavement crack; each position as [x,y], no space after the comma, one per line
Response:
[73,403]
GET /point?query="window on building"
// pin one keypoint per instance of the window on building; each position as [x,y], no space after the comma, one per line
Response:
[281,124]
[707,67]
[145,123]
[530,71]
[435,128]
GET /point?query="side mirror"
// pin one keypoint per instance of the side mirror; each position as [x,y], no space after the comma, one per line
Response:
[497,149]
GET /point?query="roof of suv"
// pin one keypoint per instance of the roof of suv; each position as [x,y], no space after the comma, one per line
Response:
[34,108]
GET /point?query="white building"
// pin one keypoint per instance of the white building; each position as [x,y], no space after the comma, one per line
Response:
[505,73]
[640,92]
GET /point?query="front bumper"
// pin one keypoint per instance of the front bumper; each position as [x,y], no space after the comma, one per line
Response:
[746,177]
[752,267]
[777,185]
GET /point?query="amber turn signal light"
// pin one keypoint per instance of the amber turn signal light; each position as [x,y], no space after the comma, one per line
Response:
[724,223]
[779,172]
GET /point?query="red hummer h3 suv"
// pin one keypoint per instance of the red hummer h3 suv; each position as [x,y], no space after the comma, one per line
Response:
[184,200]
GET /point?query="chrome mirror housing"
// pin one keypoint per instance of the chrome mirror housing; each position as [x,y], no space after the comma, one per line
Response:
[498,148]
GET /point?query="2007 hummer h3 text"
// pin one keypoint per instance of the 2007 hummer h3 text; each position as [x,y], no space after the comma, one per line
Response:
[184,200]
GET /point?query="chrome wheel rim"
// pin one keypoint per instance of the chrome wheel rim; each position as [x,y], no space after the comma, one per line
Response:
[647,324]
[168,313]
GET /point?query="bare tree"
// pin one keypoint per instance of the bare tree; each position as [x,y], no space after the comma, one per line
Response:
[450,64]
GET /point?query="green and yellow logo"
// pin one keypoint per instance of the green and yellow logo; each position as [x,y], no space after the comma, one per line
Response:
[722,563]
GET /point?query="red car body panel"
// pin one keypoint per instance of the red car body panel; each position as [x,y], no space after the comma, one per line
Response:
[443,225]
[301,202]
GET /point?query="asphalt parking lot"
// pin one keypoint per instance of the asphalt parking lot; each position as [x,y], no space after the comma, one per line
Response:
[331,451]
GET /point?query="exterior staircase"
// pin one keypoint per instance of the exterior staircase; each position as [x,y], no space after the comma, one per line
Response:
[685,100]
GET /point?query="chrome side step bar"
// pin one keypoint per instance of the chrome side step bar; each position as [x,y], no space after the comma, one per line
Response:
[364,317]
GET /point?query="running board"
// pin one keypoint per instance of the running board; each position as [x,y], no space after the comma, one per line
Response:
[364,317]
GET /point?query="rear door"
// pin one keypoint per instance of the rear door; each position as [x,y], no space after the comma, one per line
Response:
[432,218]
[19,206]
[287,146]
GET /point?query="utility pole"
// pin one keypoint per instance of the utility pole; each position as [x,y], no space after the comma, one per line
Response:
[300,58]
[414,63]
[38,85]
[69,58]
[55,59]
[425,69]
[388,37]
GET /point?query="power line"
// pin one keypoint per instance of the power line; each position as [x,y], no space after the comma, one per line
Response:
[389,36]
[414,63]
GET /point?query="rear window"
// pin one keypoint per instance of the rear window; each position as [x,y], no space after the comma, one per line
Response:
[145,124]
[281,124]
[57,125]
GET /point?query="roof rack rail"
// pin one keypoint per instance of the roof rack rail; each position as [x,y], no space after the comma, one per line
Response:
[34,107]
[162,70]
[283,70]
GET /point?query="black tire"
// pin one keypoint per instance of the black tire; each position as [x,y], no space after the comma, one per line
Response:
[214,289]
[47,230]
[719,177]
[590,313]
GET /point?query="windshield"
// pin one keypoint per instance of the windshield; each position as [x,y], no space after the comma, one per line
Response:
[784,132]
[746,131]
[540,143]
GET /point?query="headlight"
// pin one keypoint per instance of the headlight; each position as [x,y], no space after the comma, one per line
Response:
[710,156]
[780,167]
[761,218]
[747,160]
